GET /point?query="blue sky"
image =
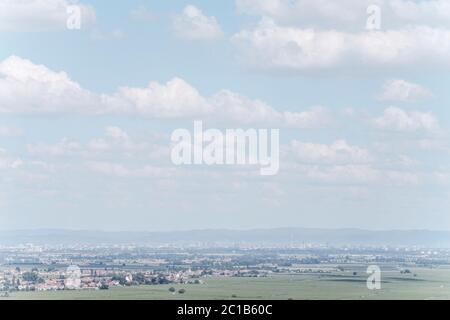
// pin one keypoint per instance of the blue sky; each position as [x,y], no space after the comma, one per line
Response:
[363,114]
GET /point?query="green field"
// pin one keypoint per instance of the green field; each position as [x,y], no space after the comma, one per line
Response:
[427,284]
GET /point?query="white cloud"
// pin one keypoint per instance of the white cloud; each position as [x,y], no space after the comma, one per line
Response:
[116,143]
[431,144]
[116,133]
[8,162]
[400,178]
[342,174]
[355,174]
[426,12]
[235,108]
[312,118]
[397,119]
[174,99]
[65,147]
[192,24]
[238,108]
[39,15]
[8,131]
[398,90]
[27,88]
[349,14]
[272,47]
[338,152]
[345,164]
[122,171]
[307,13]
[442,178]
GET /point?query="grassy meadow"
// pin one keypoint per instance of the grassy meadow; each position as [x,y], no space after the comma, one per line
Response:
[420,284]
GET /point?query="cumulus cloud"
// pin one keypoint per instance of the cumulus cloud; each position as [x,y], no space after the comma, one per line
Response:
[27,88]
[116,133]
[313,117]
[307,13]
[397,119]
[343,174]
[38,15]
[118,141]
[8,131]
[65,147]
[338,152]
[192,24]
[115,142]
[235,108]
[348,14]
[398,90]
[355,174]
[174,99]
[8,162]
[270,46]
[343,163]
[122,171]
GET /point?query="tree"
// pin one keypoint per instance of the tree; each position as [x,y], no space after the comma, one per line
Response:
[139,278]
[120,278]
[172,289]
[30,276]
[181,291]
[104,286]
[405,271]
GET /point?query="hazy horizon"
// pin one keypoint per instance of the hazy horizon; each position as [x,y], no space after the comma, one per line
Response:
[218,229]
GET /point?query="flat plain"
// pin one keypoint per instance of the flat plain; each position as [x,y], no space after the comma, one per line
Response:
[421,283]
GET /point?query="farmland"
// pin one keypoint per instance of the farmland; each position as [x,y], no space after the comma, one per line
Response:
[422,283]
